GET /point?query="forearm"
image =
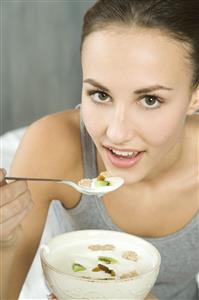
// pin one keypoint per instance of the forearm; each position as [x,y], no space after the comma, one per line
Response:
[8,251]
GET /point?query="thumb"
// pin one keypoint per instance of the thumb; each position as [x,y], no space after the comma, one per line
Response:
[2,176]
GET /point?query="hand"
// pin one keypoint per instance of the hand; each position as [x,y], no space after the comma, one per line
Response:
[15,202]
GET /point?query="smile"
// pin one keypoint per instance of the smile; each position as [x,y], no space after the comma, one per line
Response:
[123,158]
[126,154]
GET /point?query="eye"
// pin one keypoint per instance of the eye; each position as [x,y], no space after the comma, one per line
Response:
[150,101]
[99,96]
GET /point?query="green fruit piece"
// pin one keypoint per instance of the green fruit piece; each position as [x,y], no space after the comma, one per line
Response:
[107,260]
[102,183]
[78,268]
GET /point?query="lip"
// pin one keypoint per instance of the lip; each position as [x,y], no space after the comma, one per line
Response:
[123,162]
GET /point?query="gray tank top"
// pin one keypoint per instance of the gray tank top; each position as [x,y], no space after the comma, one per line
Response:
[179,251]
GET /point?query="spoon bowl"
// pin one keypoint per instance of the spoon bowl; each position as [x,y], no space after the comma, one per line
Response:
[115,183]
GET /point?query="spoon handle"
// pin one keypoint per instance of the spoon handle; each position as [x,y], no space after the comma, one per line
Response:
[32,179]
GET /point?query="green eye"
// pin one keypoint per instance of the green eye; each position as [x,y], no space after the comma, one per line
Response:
[99,96]
[150,101]
[102,96]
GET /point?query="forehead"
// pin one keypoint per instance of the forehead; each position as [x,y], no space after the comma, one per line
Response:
[135,52]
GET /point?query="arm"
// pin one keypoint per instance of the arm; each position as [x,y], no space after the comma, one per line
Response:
[22,221]
[50,148]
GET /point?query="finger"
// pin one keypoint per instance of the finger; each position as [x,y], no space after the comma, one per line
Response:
[11,191]
[2,176]
[8,227]
[15,207]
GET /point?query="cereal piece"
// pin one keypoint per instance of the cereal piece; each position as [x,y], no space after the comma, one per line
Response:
[97,247]
[129,275]
[86,182]
[130,255]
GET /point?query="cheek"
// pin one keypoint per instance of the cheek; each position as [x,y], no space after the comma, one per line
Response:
[163,130]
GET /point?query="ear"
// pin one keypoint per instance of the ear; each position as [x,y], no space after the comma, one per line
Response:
[194,102]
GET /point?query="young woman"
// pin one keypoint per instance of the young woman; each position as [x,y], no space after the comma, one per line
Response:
[140,63]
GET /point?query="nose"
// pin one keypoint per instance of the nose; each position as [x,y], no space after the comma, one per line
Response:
[120,128]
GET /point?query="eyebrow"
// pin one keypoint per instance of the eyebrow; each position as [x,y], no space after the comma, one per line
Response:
[137,92]
[96,84]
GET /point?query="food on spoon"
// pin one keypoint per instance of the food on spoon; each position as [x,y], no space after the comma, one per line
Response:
[99,182]
[106,174]
[85,182]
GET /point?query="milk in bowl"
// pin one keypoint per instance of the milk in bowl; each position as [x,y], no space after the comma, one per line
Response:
[102,264]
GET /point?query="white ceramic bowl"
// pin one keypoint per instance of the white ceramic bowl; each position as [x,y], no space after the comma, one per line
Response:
[58,253]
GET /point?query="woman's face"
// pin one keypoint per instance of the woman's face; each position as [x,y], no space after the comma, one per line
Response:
[135,98]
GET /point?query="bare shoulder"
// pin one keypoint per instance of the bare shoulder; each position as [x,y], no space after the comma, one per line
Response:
[50,148]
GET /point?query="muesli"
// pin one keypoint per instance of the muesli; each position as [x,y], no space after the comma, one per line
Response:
[108,264]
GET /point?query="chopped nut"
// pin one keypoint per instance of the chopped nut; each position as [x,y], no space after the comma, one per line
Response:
[96,269]
[106,270]
[101,177]
[113,273]
[106,174]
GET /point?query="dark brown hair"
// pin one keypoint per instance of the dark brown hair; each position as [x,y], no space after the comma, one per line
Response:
[178,18]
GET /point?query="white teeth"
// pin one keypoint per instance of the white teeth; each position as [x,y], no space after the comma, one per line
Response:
[125,154]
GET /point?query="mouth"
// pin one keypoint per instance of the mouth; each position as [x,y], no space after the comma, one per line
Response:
[123,158]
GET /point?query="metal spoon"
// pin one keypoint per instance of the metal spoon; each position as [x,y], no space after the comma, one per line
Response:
[99,191]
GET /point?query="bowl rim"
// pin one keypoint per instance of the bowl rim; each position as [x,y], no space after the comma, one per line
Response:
[50,266]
